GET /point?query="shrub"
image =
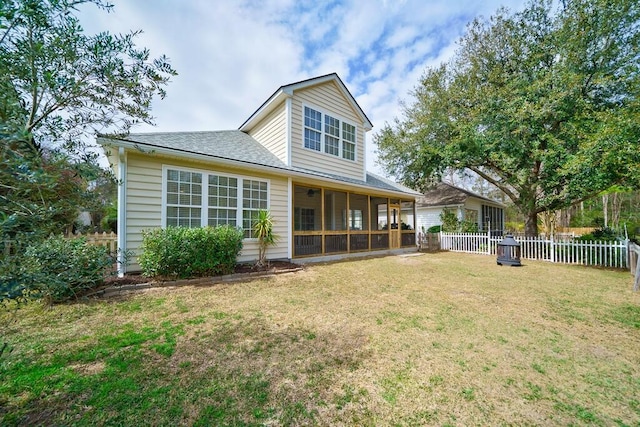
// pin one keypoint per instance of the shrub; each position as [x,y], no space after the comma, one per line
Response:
[58,269]
[467,226]
[190,252]
[434,229]
[449,221]
[604,234]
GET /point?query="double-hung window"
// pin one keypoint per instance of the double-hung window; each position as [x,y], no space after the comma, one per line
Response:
[184,198]
[312,129]
[223,201]
[325,133]
[348,141]
[196,199]
[254,198]
[331,135]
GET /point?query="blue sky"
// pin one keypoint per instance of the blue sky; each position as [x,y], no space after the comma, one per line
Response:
[232,55]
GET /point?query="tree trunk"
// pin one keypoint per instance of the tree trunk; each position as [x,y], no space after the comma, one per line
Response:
[605,209]
[531,224]
[616,207]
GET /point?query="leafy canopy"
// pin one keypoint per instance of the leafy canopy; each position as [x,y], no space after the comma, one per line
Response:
[542,103]
[59,84]
[58,87]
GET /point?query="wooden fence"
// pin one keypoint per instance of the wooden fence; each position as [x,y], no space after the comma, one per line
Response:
[593,253]
[429,242]
[108,240]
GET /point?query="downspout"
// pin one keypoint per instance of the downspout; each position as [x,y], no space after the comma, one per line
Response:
[290,216]
[122,210]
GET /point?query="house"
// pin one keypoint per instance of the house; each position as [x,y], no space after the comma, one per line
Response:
[467,205]
[301,155]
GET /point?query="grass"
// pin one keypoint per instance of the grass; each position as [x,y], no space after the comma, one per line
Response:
[435,339]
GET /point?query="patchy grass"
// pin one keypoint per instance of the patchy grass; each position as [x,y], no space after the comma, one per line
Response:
[444,339]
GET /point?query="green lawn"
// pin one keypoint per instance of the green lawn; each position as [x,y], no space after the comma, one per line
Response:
[434,339]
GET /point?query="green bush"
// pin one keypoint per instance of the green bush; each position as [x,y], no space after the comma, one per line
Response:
[58,269]
[190,252]
[449,221]
[434,229]
[604,234]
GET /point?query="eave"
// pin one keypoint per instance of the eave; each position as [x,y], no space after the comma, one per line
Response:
[309,177]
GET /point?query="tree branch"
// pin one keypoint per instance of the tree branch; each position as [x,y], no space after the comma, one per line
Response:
[510,194]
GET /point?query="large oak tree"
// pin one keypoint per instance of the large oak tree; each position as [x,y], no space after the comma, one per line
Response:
[543,103]
[58,87]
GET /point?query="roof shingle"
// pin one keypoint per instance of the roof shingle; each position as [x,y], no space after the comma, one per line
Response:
[238,146]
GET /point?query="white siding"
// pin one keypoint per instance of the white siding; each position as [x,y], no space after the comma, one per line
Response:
[427,217]
[271,132]
[144,203]
[328,98]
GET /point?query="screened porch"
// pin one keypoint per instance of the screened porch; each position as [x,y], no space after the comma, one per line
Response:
[328,221]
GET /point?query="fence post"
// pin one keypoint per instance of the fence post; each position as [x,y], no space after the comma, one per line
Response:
[553,248]
[488,238]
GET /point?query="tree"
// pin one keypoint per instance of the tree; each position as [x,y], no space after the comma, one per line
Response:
[58,83]
[58,87]
[542,103]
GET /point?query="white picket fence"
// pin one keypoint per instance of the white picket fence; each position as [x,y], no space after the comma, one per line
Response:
[592,253]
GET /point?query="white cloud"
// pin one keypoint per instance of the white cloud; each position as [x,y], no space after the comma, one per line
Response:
[231,56]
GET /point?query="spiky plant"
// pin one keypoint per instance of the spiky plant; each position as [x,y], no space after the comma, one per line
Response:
[263,231]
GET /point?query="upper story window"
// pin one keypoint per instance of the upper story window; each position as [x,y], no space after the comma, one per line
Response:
[348,141]
[328,134]
[312,129]
[222,200]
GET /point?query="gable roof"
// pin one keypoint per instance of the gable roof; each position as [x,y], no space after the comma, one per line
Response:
[286,91]
[234,147]
[444,194]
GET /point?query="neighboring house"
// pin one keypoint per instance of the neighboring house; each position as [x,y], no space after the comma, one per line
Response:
[467,205]
[301,155]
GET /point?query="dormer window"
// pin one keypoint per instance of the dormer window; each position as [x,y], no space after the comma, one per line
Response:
[325,133]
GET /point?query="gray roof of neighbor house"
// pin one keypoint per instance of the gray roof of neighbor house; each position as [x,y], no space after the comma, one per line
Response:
[237,146]
[448,195]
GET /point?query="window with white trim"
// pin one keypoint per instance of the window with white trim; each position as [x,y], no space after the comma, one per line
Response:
[223,200]
[254,198]
[348,141]
[184,198]
[325,133]
[312,129]
[331,135]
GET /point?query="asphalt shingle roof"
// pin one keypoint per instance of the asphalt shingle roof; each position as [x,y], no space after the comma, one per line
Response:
[444,194]
[226,144]
[239,146]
